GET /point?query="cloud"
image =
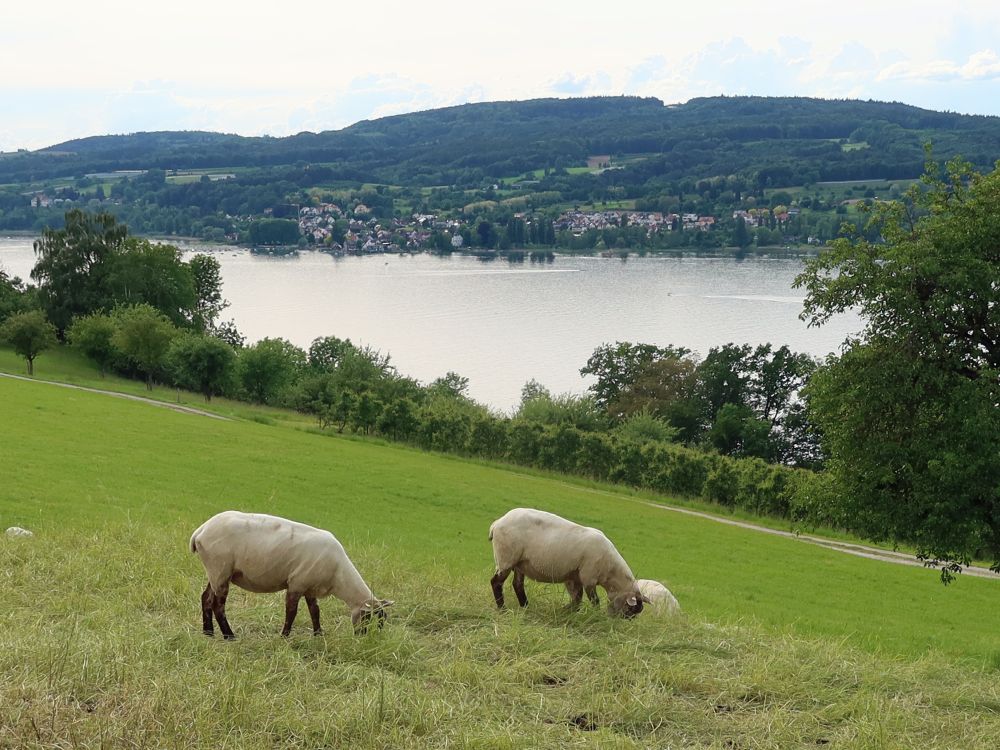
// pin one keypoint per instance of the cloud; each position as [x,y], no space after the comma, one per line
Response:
[981,66]
[581,84]
[570,84]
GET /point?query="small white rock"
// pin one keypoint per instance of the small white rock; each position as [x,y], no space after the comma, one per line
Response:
[18,531]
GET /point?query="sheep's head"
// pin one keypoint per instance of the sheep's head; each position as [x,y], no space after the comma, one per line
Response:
[362,616]
[628,603]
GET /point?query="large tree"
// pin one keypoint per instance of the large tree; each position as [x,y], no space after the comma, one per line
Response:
[909,413]
[71,264]
[143,272]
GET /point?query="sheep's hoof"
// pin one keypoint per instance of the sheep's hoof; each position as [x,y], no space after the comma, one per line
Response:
[317,632]
[230,636]
[208,633]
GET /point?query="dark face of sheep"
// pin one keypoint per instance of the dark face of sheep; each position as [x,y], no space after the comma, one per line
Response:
[628,605]
[375,609]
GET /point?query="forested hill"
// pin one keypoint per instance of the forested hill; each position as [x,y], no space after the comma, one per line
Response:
[777,141]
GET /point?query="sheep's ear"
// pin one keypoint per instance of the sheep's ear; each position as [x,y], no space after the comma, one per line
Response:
[646,599]
[383,603]
[631,601]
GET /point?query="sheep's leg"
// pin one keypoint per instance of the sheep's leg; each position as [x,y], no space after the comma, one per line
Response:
[314,614]
[219,610]
[592,595]
[575,589]
[206,611]
[291,609]
[522,598]
[497,583]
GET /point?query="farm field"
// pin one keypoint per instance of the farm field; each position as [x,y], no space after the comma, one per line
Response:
[782,644]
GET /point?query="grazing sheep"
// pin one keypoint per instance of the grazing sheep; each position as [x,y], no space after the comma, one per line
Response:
[544,547]
[660,600]
[263,554]
[18,531]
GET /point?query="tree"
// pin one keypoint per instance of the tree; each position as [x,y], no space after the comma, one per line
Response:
[741,237]
[326,352]
[29,333]
[143,335]
[667,390]
[13,295]
[206,273]
[71,266]
[908,413]
[268,367]
[617,366]
[94,335]
[202,363]
[142,272]
[451,385]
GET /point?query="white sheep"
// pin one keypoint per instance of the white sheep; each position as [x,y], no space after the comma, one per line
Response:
[660,600]
[264,554]
[18,531]
[545,547]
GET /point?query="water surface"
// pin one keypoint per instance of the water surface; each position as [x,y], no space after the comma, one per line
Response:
[501,324]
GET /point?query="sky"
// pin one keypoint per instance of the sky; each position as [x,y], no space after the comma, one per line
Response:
[73,69]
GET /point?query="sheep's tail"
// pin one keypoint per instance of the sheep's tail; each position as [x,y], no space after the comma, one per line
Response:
[194,538]
[491,530]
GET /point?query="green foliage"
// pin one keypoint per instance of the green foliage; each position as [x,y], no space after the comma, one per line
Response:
[13,296]
[540,406]
[644,426]
[29,333]
[268,368]
[94,336]
[909,413]
[143,335]
[206,274]
[202,363]
[274,232]
[617,367]
[71,269]
[142,272]
[450,385]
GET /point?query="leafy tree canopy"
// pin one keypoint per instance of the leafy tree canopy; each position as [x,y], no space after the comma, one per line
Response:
[909,412]
[29,333]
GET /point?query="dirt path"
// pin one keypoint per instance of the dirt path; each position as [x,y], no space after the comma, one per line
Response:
[116,394]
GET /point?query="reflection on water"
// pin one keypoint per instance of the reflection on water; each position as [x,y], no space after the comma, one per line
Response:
[502,324]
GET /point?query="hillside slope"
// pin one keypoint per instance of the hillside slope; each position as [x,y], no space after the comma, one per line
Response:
[782,645]
[772,136]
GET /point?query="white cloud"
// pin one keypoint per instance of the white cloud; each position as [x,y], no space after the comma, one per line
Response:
[981,66]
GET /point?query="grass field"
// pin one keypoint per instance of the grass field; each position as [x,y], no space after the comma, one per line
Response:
[782,644]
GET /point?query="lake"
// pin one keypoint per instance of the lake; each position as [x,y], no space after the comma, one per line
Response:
[502,324]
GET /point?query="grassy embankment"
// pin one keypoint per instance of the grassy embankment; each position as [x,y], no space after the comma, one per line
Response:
[782,645]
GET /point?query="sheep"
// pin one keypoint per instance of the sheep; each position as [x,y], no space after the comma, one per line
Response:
[18,531]
[545,547]
[660,600]
[264,554]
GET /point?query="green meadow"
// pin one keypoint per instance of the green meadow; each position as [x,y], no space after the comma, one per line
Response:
[782,644]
